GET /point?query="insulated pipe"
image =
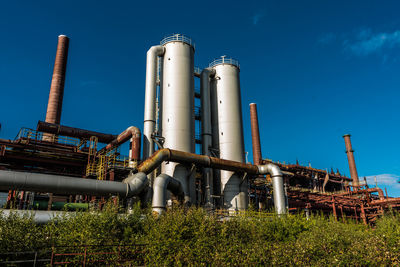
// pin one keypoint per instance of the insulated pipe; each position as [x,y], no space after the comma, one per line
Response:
[255,134]
[350,158]
[54,106]
[206,161]
[160,186]
[38,216]
[132,133]
[73,132]
[187,158]
[38,182]
[277,184]
[150,99]
[206,132]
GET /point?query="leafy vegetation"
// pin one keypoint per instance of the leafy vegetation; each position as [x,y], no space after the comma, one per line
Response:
[193,237]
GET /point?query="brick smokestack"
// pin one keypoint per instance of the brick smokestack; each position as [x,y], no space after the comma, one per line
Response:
[54,105]
[255,135]
[350,158]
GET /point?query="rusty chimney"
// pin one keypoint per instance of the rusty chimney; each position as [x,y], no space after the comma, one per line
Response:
[350,158]
[255,134]
[54,105]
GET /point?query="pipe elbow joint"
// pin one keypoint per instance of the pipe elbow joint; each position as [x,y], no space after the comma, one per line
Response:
[161,184]
[135,184]
[135,131]
[207,72]
[157,50]
[271,169]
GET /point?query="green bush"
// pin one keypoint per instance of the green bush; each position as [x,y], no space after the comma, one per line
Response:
[193,237]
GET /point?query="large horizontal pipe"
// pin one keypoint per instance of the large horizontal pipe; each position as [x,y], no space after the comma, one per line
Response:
[206,161]
[166,154]
[38,182]
[73,132]
[45,216]
[38,216]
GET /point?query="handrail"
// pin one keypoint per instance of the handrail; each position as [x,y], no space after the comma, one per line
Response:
[225,60]
[177,37]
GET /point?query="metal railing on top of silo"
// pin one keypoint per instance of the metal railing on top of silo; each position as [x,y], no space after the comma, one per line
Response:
[225,60]
[177,37]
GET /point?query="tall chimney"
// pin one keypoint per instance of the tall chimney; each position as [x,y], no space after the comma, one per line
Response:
[350,158]
[255,134]
[54,105]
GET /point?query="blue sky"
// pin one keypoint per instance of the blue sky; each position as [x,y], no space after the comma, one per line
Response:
[316,69]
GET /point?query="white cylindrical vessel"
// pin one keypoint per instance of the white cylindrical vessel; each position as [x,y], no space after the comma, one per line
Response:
[178,121]
[226,88]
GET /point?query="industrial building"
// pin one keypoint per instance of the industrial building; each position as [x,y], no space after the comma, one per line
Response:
[62,167]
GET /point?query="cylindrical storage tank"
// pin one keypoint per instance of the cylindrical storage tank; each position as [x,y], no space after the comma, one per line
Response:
[226,87]
[178,121]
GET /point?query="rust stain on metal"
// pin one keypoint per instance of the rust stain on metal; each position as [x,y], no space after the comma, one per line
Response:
[132,133]
[190,158]
[352,163]
[54,105]
[73,132]
[255,134]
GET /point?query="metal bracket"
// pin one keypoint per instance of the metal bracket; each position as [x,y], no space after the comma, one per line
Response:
[245,175]
[214,152]
[158,139]
[192,169]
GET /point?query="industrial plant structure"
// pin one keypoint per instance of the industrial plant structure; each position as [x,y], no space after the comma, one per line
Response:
[56,166]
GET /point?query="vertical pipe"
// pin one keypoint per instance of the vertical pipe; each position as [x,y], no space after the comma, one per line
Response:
[352,163]
[54,106]
[206,132]
[255,134]
[215,140]
[150,99]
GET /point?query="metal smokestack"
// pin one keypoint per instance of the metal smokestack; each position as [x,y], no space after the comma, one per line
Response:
[350,158]
[255,134]
[54,105]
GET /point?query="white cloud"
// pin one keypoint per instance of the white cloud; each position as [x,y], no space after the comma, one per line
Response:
[366,43]
[388,180]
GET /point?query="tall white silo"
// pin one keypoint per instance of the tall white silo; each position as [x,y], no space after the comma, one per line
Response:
[178,122]
[229,129]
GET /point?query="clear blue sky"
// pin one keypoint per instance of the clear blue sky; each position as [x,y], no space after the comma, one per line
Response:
[316,69]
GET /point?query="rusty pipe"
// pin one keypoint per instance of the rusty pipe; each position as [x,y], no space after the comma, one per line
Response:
[352,163]
[255,134]
[54,106]
[167,154]
[132,133]
[73,132]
